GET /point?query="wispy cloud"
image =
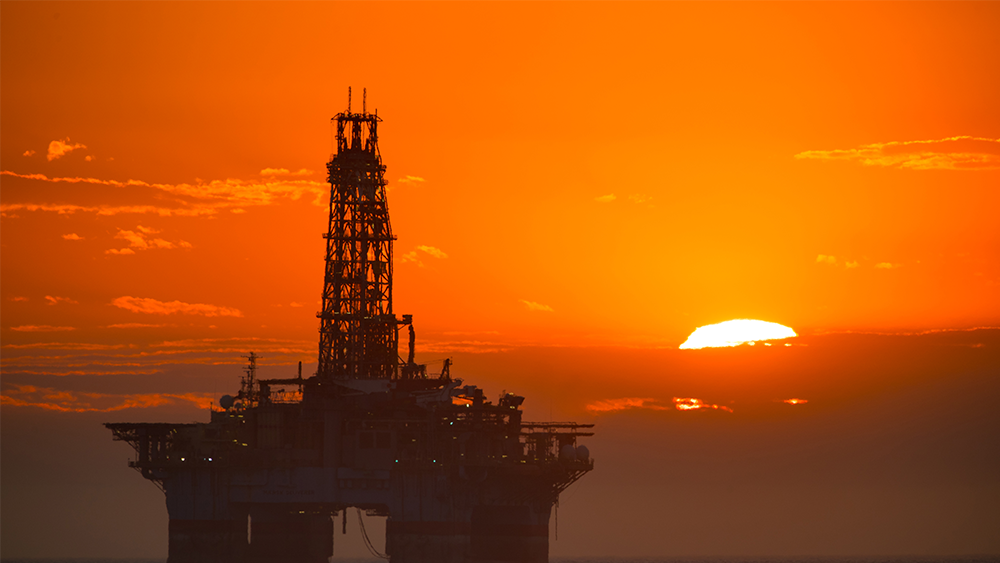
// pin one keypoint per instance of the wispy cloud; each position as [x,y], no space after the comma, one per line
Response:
[533,306]
[72,236]
[887,266]
[18,298]
[411,256]
[58,149]
[28,153]
[410,180]
[794,401]
[640,198]
[625,403]
[134,325]
[64,346]
[605,198]
[826,259]
[198,199]
[74,401]
[285,172]
[155,307]
[692,404]
[952,153]
[140,239]
[435,252]
[258,342]
[53,300]
[464,346]
[917,333]
[833,261]
[41,328]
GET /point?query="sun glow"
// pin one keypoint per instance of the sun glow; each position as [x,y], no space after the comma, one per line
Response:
[736,332]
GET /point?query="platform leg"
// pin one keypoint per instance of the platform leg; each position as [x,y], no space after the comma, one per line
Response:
[281,537]
[206,541]
[510,534]
[427,542]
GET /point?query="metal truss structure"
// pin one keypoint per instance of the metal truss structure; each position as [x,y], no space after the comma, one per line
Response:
[358,330]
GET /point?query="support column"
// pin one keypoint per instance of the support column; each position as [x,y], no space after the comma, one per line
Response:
[426,542]
[279,537]
[206,541]
[509,533]
[204,527]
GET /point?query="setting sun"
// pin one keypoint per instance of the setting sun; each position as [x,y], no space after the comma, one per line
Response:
[736,332]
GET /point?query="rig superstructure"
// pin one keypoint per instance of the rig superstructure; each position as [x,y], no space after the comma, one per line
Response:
[458,477]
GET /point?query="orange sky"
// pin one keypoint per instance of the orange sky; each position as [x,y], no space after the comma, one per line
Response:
[699,119]
[561,174]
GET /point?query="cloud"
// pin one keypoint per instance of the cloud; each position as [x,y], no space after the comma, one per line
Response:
[257,341]
[692,404]
[58,149]
[69,209]
[18,298]
[65,346]
[284,172]
[294,304]
[142,241]
[639,198]
[72,236]
[625,403]
[74,401]
[56,300]
[832,260]
[155,307]
[464,346]
[435,252]
[605,198]
[532,306]
[198,199]
[411,256]
[795,401]
[952,153]
[134,325]
[410,180]
[917,333]
[28,153]
[887,265]
[41,328]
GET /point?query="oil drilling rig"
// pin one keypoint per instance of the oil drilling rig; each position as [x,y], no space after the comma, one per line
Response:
[459,478]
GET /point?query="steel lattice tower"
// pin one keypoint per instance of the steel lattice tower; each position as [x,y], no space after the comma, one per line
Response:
[358,330]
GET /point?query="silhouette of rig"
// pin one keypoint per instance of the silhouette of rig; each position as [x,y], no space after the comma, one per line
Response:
[460,478]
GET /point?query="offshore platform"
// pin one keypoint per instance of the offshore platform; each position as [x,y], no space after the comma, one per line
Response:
[459,478]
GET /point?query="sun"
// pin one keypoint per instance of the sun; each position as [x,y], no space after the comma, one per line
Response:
[736,332]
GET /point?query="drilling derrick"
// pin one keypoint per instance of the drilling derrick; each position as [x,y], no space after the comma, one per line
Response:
[358,330]
[459,479]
